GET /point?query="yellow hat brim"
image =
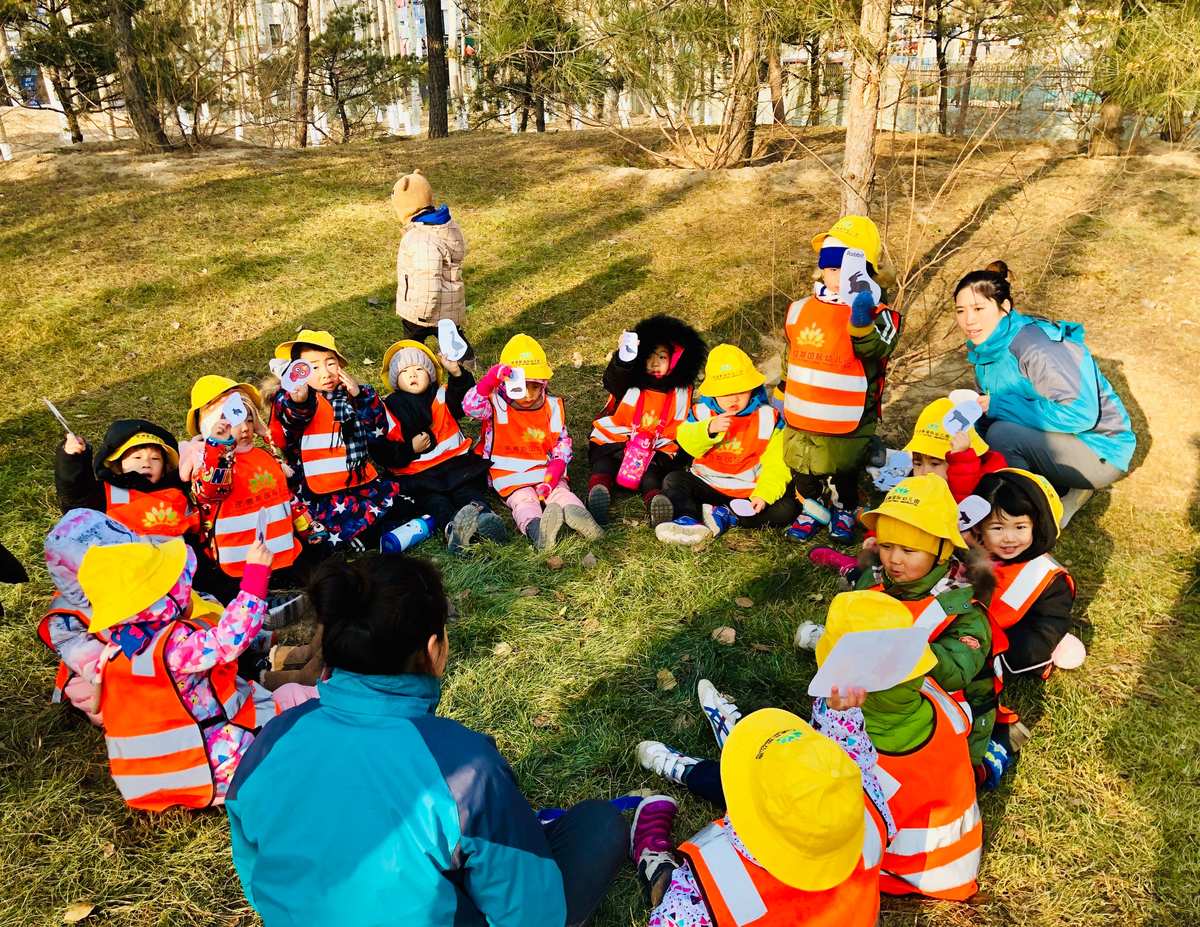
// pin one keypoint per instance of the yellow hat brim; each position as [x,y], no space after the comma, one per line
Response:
[818,240]
[120,599]
[743,383]
[400,346]
[901,513]
[535,371]
[323,341]
[199,402]
[930,446]
[141,439]
[758,831]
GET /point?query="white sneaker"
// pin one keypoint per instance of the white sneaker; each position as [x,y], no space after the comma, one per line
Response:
[808,634]
[721,712]
[658,758]
[685,531]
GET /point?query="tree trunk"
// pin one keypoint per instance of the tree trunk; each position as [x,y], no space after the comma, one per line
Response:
[1172,128]
[1106,138]
[143,115]
[858,168]
[775,80]
[66,100]
[964,89]
[345,119]
[814,80]
[943,66]
[439,70]
[526,97]
[539,109]
[303,66]
[735,141]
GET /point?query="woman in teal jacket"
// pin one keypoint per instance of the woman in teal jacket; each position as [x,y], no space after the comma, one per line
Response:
[1049,408]
[364,808]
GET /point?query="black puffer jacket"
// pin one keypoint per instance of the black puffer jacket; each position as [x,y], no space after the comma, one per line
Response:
[80,480]
[652,332]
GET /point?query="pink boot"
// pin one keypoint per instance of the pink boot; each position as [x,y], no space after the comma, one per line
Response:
[650,845]
[832,559]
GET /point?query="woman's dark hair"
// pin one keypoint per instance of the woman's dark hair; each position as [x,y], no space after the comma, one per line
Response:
[990,283]
[378,613]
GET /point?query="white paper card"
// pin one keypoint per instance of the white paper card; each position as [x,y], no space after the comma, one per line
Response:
[855,279]
[872,660]
[452,345]
[962,416]
[971,511]
[58,415]
[260,530]
[234,409]
[959,396]
[514,383]
[742,508]
[627,347]
[295,375]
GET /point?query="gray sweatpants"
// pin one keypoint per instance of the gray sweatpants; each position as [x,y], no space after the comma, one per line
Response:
[1063,459]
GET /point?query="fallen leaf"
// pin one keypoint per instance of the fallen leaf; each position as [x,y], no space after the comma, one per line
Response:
[815,597]
[108,849]
[743,602]
[591,625]
[741,540]
[666,680]
[685,658]
[77,912]
[145,398]
[367,362]
[588,561]
[562,612]
[577,360]
[543,721]
[555,562]
[683,722]
[528,592]
[503,650]
[175,326]
[724,635]
[760,648]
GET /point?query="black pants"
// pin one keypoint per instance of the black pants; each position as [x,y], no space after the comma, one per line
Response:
[704,781]
[443,506]
[214,581]
[605,461]
[815,487]
[688,492]
[415,332]
[590,844]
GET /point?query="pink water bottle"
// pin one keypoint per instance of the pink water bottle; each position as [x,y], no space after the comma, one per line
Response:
[639,451]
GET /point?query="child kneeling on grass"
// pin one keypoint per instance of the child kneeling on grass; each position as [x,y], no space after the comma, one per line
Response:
[735,438]
[526,440]
[649,383]
[431,458]
[326,425]
[177,717]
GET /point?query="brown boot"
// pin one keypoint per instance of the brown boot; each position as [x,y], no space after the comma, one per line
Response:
[305,674]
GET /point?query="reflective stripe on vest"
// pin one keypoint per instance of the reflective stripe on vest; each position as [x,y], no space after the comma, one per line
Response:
[939,831]
[1018,586]
[734,465]
[666,409]
[737,891]
[449,439]
[521,442]
[826,390]
[164,512]
[323,456]
[258,486]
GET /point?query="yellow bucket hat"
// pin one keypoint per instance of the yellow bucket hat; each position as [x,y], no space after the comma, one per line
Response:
[210,387]
[524,352]
[1051,494]
[141,439]
[931,439]
[121,580]
[855,232]
[400,346]
[317,338]
[729,370]
[924,502]
[795,799]
[867,610]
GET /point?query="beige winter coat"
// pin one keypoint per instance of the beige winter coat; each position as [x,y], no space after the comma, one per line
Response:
[429,284]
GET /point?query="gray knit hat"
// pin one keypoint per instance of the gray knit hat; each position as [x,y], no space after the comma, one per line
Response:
[410,357]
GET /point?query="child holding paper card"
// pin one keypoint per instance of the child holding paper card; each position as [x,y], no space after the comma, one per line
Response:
[838,346]
[431,458]
[525,438]
[735,438]
[960,458]
[649,383]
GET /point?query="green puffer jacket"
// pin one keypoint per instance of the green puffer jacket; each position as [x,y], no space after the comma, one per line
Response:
[960,666]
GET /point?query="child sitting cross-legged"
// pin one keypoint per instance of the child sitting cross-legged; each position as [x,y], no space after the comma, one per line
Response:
[431,458]
[526,440]
[734,436]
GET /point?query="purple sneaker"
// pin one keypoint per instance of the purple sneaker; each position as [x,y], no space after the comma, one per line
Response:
[650,845]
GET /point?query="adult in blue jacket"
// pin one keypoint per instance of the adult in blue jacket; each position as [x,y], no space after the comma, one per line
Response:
[1049,408]
[364,808]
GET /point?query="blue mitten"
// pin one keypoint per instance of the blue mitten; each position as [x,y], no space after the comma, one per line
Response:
[996,762]
[862,309]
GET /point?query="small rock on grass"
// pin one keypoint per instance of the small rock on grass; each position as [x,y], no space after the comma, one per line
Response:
[666,680]
[503,649]
[591,625]
[554,562]
[743,601]
[374,301]
[577,360]
[588,561]
[528,592]
[724,635]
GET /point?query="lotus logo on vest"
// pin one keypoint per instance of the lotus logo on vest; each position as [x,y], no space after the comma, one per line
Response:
[261,480]
[161,514]
[812,336]
[535,434]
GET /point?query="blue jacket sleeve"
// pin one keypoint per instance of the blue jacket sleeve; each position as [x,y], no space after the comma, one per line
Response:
[245,852]
[1057,391]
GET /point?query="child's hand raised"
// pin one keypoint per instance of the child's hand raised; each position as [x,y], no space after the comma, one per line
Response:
[74,444]
[853,697]
[349,382]
[959,442]
[299,394]
[260,554]
[453,367]
[719,424]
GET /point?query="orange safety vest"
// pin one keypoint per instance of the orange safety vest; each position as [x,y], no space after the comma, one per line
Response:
[323,454]
[164,512]
[931,793]
[258,485]
[521,442]
[738,891]
[653,409]
[826,383]
[156,750]
[448,437]
[733,466]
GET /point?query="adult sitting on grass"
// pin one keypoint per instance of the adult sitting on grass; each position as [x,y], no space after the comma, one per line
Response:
[417,819]
[1049,408]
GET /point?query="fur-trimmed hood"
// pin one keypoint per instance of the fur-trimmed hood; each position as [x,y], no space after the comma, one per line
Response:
[666,329]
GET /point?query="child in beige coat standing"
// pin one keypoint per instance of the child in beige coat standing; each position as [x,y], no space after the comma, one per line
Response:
[429,284]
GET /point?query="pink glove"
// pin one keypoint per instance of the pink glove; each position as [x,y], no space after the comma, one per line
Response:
[492,379]
[554,474]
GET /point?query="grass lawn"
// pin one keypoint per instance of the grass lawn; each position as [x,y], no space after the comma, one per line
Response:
[124,278]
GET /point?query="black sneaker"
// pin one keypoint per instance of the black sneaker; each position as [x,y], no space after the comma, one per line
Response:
[598,501]
[661,510]
[284,608]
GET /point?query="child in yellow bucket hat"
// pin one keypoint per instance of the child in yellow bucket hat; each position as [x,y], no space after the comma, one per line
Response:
[178,718]
[960,459]
[734,436]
